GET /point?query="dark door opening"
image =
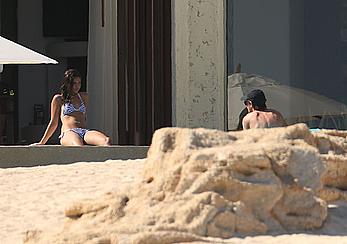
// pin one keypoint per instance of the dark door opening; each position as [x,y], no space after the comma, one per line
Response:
[144,69]
[9,78]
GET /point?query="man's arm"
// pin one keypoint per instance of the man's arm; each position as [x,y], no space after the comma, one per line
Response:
[281,119]
[284,123]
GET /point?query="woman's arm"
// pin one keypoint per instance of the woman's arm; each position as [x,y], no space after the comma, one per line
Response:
[53,123]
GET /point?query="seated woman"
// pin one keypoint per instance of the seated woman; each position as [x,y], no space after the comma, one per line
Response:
[71,106]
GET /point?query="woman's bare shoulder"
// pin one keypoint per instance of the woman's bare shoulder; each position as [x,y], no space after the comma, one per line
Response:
[85,97]
[84,94]
[57,98]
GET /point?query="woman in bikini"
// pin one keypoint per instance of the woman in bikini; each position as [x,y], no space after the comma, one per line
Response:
[71,105]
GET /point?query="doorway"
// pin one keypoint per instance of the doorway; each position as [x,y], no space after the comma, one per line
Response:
[144,69]
[9,78]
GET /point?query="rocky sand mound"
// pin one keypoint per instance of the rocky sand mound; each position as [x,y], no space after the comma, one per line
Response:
[208,185]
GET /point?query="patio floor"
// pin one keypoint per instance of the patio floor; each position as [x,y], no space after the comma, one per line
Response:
[25,156]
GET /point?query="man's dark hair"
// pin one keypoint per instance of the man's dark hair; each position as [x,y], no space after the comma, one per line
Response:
[257,97]
[261,105]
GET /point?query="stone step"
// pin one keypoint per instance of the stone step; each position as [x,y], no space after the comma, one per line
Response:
[26,156]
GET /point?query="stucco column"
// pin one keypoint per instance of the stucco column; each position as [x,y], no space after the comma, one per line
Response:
[199,63]
[102,68]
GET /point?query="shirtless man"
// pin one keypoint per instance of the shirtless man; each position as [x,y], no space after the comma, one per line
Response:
[258,115]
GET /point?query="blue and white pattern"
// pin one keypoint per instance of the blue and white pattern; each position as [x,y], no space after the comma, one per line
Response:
[69,108]
[79,131]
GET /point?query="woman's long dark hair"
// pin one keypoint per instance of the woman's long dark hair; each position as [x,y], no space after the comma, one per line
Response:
[67,82]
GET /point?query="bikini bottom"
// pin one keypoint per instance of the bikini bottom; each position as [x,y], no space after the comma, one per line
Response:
[79,131]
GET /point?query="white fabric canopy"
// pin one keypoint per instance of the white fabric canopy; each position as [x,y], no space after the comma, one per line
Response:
[294,104]
[13,53]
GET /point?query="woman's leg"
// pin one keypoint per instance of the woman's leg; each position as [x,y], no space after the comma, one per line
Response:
[71,138]
[93,137]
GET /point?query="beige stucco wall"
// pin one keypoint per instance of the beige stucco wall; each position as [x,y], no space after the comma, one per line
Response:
[199,61]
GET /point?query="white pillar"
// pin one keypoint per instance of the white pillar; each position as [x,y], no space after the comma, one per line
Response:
[102,68]
[199,63]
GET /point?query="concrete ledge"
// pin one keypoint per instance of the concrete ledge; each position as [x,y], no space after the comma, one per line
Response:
[25,156]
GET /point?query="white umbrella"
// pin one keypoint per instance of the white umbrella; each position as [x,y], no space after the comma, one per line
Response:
[295,104]
[13,53]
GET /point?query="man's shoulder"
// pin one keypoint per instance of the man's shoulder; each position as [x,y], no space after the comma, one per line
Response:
[275,112]
[266,113]
[253,113]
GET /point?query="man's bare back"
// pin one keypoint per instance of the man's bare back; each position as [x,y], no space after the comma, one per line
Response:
[263,119]
[259,116]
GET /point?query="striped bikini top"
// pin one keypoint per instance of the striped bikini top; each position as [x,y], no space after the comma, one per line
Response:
[69,107]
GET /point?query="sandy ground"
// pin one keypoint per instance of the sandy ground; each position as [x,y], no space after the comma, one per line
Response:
[35,198]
